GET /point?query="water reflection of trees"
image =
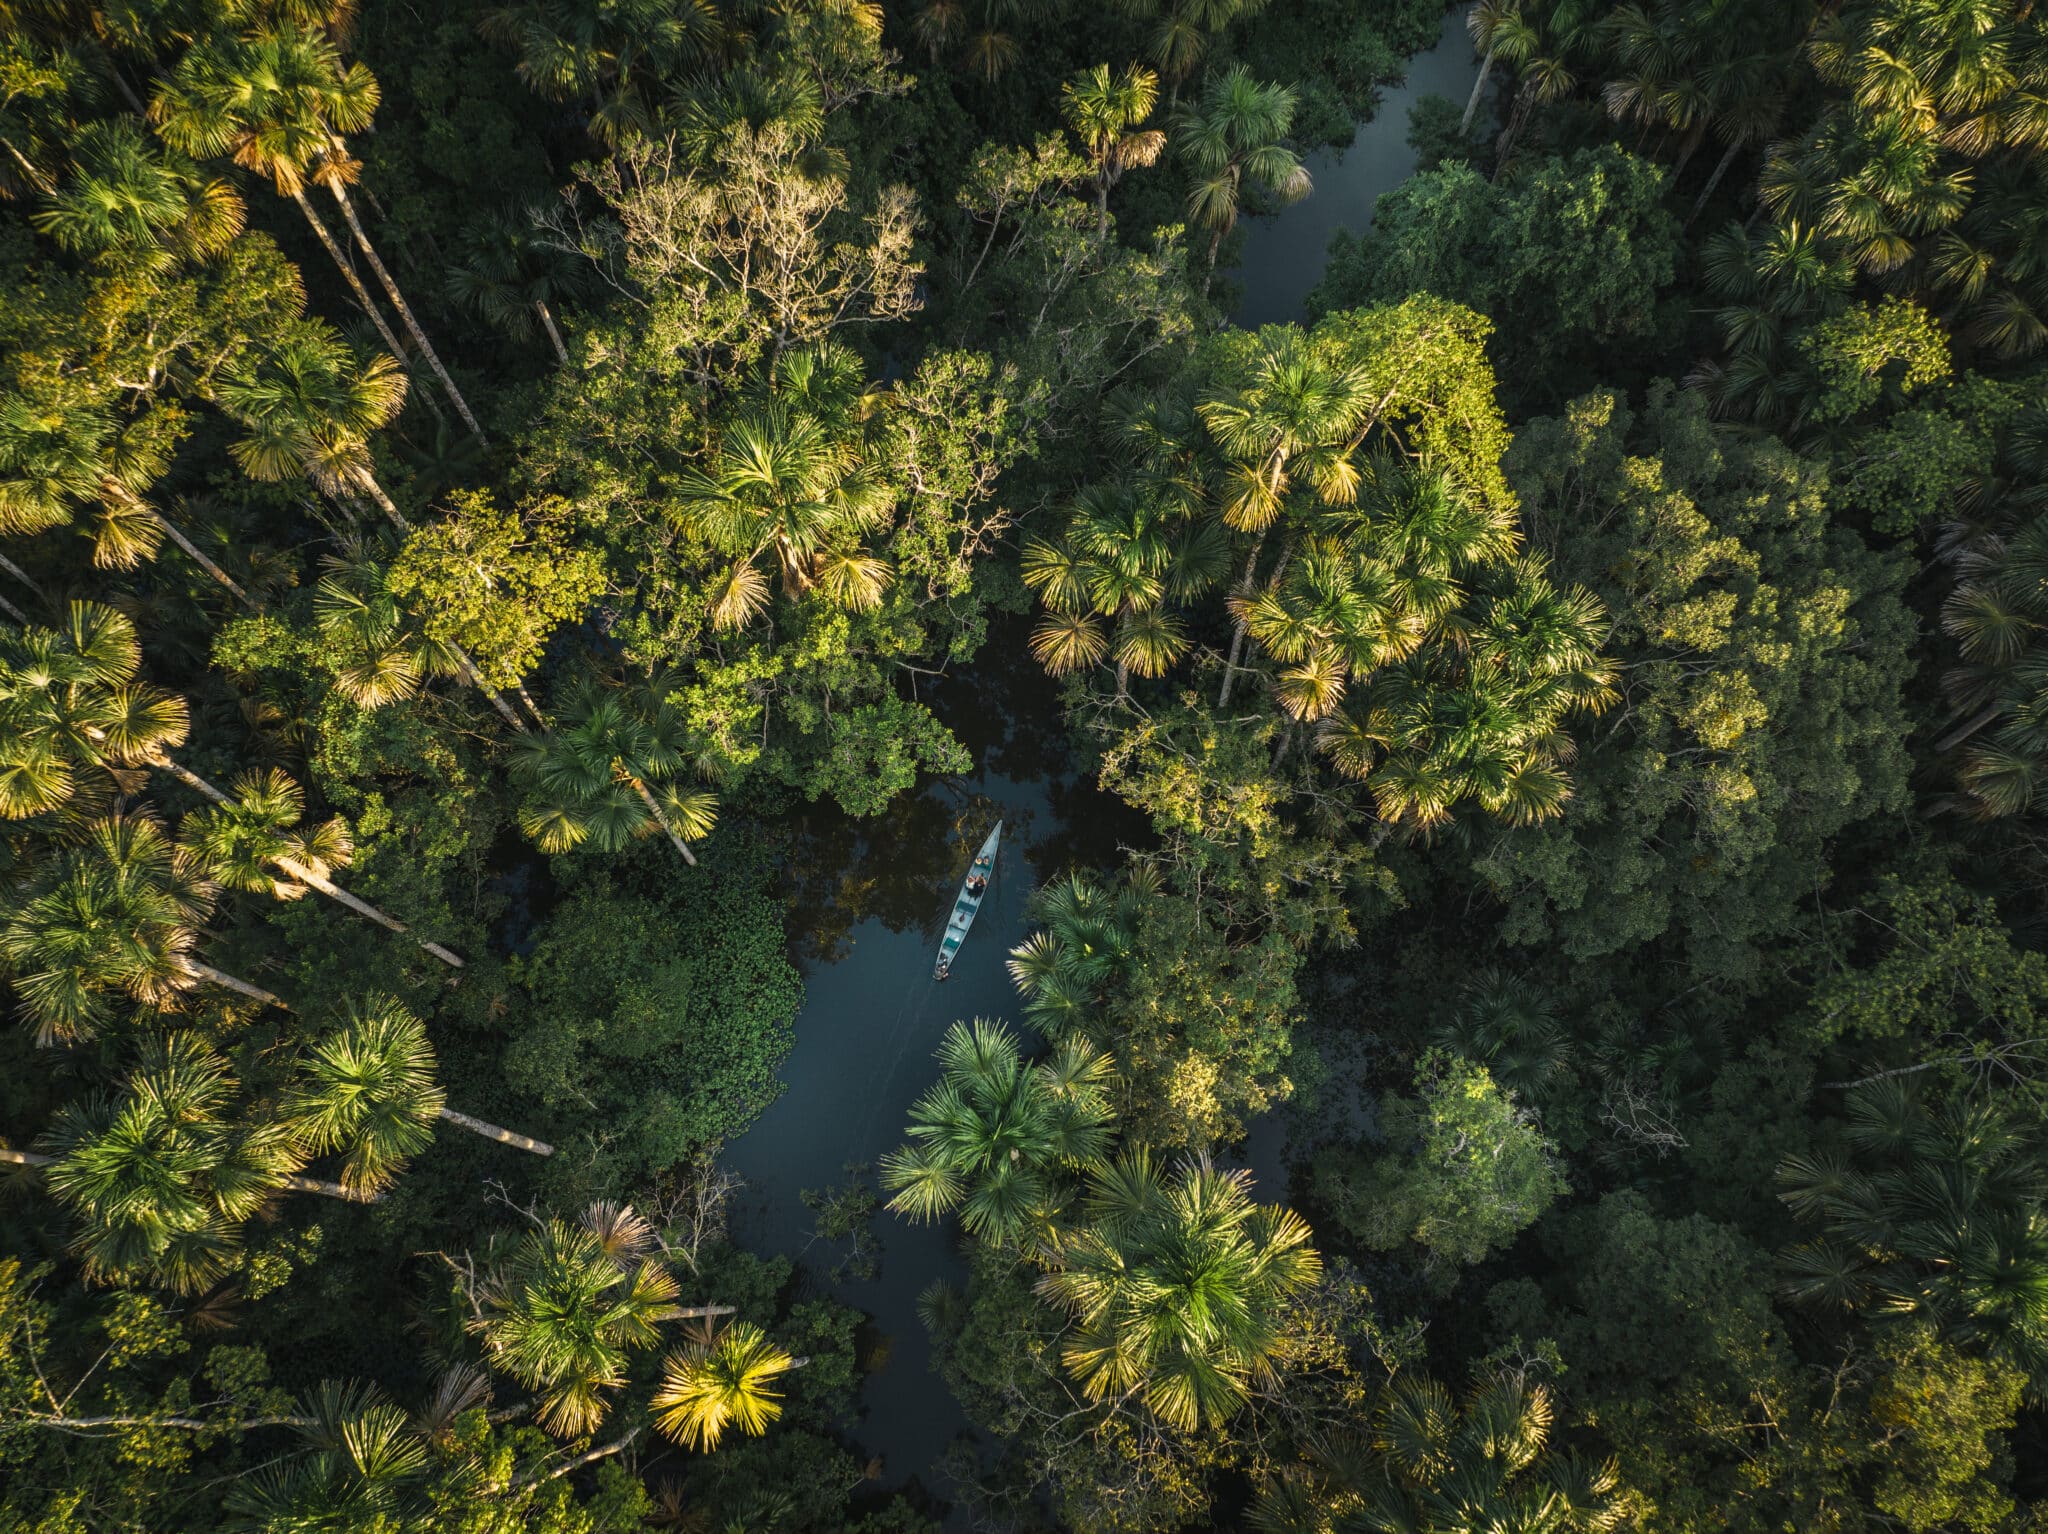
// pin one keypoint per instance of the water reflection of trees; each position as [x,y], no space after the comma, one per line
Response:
[894,869]
[901,867]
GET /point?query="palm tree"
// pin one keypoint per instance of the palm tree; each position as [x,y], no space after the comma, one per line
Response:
[1512,1027]
[1105,112]
[1178,1286]
[363,1465]
[1383,580]
[1283,415]
[1693,69]
[1549,57]
[367,1089]
[159,1177]
[565,1307]
[1998,550]
[790,478]
[1182,30]
[1434,1465]
[1126,552]
[1086,947]
[375,654]
[308,407]
[279,102]
[54,456]
[1499,31]
[612,54]
[1937,1213]
[248,839]
[71,699]
[123,193]
[509,277]
[993,1135]
[1482,718]
[1230,139]
[725,1382]
[115,915]
[603,774]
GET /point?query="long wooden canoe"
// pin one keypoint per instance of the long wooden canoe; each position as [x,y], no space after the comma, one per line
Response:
[967,903]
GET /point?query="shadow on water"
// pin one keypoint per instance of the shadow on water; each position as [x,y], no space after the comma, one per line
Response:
[869,904]
[1283,255]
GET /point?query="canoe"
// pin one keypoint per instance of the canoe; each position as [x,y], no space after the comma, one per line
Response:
[966,903]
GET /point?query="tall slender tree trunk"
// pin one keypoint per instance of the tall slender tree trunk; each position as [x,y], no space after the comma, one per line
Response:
[654,809]
[412,325]
[14,613]
[222,978]
[362,907]
[475,678]
[1251,566]
[1691,146]
[25,1158]
[493,1132]
[330,1190]
[547,319]
[1720,170]
[340,260]
[367,482]
[19,574]
[1286,740]
[1478,91]
[308,877]
[37,179]
[177,536]
[1969,727]
[1525,101]
[192,780]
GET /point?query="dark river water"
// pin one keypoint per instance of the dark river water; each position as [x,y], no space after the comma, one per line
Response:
[871,899]
[1283,255]
[871,902]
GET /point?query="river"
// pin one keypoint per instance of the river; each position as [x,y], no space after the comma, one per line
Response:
[871,899]
[1283,254]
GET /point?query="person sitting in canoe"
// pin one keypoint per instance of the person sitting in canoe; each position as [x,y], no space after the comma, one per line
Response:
[944,971]
[976,884]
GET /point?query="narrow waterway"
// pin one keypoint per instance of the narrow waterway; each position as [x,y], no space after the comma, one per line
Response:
[1283,254]
[871,900]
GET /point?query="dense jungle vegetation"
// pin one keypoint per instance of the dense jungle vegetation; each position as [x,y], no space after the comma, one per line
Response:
[1586,685]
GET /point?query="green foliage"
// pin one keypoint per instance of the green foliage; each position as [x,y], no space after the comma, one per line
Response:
[1202,1022]
[1465,1169]
[649,1027]
[1936,1212]
[1437,1466]
[495,582]
[1565,256]
[1627,774]
[992,1138]
[874,752]
[1765,652]
[1866,353]
[1178,1285]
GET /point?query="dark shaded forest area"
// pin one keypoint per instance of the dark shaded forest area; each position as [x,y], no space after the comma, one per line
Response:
[477,478]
